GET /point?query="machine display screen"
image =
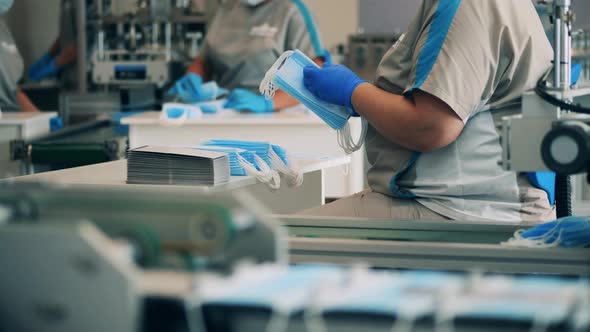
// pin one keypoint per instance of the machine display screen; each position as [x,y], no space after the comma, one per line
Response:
[130,72]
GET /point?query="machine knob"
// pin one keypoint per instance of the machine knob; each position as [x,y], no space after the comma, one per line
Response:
[566,148]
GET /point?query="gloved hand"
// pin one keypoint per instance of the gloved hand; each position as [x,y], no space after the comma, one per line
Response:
[190,89]
[334,84]
[39,64]
[55,123]
[43,68]
[241,99]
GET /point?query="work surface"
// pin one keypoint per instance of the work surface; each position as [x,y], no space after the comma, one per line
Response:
[284,200]
[298,130]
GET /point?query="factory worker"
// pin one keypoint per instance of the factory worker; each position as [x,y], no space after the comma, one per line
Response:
[12,98]
[61,57]
[438,93]
[243,41]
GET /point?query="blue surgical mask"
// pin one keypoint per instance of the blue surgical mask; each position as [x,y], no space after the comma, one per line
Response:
[272,156]
[568,232]
[287,74]
[177,113]
[237,158]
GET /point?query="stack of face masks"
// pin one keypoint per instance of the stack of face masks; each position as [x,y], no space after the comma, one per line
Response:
[268,159]
[237,158]
[287,74]
[568,232]
[177,114]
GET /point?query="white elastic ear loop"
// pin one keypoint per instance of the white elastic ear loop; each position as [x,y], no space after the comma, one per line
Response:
[539,242]
[267,87]
[404,323]
[345,140]
[313,317]
[294,175]
[264,175]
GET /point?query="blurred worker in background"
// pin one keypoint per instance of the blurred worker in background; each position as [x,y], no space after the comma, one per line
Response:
[243,41]
[61,57]
[12,98]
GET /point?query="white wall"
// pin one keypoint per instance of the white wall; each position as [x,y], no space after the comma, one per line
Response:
[336,19]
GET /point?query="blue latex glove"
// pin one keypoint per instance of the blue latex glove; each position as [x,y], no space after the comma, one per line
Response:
[55,123]
[241,99]
[39,64]
[47,70]
[334,84]
[189,88]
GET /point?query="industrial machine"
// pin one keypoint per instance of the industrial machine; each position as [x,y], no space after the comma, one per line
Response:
[553,131]
[138,259]
[130,50]
[79,145]
[134,265]
[138,41]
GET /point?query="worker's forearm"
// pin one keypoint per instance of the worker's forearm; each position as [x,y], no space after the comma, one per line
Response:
[26,105]
[282,100]
[198,67]
[395,117]
[68,56]
[54,49]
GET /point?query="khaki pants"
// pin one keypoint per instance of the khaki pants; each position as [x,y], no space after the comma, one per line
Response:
[368,204]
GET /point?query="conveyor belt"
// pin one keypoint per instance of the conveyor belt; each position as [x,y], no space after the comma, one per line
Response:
[425,245]
[85,144]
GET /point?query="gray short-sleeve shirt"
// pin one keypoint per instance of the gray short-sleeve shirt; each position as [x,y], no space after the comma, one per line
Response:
[243,42]
[11,69]
[478,57]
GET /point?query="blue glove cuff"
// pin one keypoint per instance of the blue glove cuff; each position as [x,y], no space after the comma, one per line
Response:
[353,86]
[269,105]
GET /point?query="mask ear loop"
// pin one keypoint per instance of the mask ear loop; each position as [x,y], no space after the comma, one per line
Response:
[539,242]
[294,175]
[264,175]
[267,87]
[444,314]
[345,140]
[313,317]
[403,323]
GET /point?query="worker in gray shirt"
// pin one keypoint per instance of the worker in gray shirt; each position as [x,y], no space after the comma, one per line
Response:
[62,55]
[243,41]
[12,98]
[433,143]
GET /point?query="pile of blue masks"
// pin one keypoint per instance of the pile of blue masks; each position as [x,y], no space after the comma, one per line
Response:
[211,107]
[191,89]
[267,157]
[177,113]
[568,232]
[240,161]
[287,74]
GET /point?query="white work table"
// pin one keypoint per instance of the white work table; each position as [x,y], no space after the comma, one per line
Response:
[19,125]
[298,130]
[285,200]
